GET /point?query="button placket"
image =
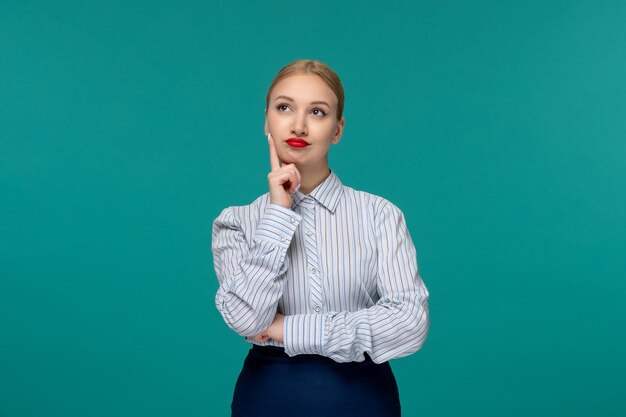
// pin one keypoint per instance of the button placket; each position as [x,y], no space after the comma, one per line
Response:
[310,243]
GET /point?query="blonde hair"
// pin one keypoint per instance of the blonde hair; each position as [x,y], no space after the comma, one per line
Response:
[309,66]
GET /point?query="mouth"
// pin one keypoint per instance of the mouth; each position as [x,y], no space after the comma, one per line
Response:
[297,142]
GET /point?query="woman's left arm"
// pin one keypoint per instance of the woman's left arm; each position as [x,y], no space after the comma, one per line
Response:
[396,326]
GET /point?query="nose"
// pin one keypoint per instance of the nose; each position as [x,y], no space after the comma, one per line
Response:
[299,126]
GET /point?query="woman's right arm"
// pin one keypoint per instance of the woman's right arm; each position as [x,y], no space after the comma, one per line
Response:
[251,276]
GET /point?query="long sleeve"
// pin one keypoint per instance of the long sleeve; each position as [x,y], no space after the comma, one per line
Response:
[396,326]
[251,275]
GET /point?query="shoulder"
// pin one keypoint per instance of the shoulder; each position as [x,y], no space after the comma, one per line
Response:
[386,220]
[377,206]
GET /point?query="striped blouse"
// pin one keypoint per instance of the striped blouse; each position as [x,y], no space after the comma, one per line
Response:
[340,264]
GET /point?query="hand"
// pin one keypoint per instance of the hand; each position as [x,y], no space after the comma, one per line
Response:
[274,332]
[283,179]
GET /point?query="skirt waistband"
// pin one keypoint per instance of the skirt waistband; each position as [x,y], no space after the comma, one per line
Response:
[277,352]
[270,350]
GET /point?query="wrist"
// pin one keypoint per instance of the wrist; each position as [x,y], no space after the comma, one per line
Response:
[283,204]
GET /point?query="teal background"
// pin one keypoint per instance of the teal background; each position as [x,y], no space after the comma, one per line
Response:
[498,127]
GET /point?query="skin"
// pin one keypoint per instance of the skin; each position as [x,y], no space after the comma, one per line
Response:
[292,167]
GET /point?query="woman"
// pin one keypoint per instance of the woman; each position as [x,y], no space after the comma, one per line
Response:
[322,279]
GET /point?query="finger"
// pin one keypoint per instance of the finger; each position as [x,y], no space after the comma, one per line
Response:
[274,160]
[295,180]
[260,337]
[285,178]
[292,184]
[299,179]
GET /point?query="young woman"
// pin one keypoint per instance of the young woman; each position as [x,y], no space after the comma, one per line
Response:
[321,278]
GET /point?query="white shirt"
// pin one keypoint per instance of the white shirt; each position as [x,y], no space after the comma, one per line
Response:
[340,265]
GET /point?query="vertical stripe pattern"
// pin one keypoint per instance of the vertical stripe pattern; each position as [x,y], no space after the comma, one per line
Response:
[307,207]
[340,265]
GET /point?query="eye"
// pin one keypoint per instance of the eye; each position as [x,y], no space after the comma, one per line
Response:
[282,107]
[320,112]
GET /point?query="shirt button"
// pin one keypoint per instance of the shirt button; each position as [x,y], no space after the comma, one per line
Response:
[282,239]
[292,219]
[309,233]
[314,270]
[318,309]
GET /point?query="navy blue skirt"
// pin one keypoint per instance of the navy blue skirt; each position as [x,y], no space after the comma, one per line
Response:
[273,384]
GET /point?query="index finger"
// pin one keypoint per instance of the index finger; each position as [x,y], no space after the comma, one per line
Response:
[274,161]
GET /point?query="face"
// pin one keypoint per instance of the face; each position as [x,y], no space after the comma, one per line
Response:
[303,107]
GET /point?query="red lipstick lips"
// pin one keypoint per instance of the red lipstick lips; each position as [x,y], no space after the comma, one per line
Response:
[297,142]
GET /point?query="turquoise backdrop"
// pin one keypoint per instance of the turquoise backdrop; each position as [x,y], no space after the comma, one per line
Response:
[498,127]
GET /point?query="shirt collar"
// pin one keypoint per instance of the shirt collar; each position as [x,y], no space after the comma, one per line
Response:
[327,193]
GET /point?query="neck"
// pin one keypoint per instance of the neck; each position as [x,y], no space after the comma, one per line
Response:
[312,177]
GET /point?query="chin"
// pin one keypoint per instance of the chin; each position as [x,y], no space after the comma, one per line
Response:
[287,160]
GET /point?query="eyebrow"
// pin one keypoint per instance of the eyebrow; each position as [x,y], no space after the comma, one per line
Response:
[290,99]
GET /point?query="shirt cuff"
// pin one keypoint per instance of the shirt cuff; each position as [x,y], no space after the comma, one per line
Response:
[304,334]
[278,225]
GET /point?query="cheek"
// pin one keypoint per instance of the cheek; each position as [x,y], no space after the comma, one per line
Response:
[276,122]
[330,129]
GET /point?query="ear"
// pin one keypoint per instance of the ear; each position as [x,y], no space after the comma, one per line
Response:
[339,132]
[267,128]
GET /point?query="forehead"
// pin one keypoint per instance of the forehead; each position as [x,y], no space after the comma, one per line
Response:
[304,88]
